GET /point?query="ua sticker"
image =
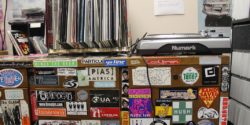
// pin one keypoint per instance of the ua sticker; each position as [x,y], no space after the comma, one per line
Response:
[208,95]
[190,75]
[10,78]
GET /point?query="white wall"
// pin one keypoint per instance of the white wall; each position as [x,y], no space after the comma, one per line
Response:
[141,19]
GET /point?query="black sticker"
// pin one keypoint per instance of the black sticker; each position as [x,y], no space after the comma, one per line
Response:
[54,96]
[50,104]
[104,98]
[71,83]
[210,75]
[44,80]
[125,104]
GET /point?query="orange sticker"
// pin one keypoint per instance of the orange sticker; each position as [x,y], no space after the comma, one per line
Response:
[56,112]
[125,117]
[208,95]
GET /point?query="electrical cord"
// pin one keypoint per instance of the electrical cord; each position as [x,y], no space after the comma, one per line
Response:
[133,46]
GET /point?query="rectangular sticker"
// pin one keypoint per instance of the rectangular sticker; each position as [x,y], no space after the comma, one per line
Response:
[91,122]
[50,104]
[82,76]
[125,118]
[225,78]
[224,103]
[56,62]
[102,74]
[13,94]
[182,111]
[93,60]
[25,112]
[76,108]
[163,108]
[110,122]
[66,72]
[59,122]
[179,93]
[140,78]
[104,98]
[105,112]
[149,121]
[54,96]
[54,112]
[44,80]
[210,75]
[116,63]
[104,84]
[10,110]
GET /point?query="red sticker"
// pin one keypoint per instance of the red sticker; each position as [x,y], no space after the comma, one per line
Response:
[224,102]
[104,112]
[163,62]
[208,95]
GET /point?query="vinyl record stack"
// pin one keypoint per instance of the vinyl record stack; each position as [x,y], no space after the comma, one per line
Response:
[86,24]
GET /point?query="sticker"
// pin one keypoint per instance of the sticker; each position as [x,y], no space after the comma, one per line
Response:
[190,75]
[124,118]
[43,71]
[11,112]
[93,60]
[50,104]
[82,95]
[117,63]
[179,93]
[25,113]
[58,62]
[54,96]
[125,76]
[125,104]
[204,113]
[135,62]
[182,111]
[104,98]
[10,78]
[205,122]
[149,121]
[190,123]
[104,84]
[82,76]
[66,72]
[70,83]
[163,61]
[140,77]
[225,79]
[13,94]
[163,108]
[33,102]
[224,103]
[55,112]
[208,95]
[102,74]
[125,87]
[140,103]
[110,122]
[58,122]
[104,112]
[44,80]
[91,122]
[210,75]
[76,108]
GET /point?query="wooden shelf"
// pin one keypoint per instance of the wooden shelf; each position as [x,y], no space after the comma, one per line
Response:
[88,51]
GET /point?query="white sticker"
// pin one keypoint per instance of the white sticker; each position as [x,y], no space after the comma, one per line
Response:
[13,94]
[149,121]
[104,84]
[93,60]
[210,60]
[82,76]
[190,75]
[59,122]
[205,113]
[135,62]
[91,122]
[24,109]
[76,108]
[224,103]
[158,76]
[66,72]
[102,74]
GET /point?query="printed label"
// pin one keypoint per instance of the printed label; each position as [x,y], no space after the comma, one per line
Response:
[224,103]
[76,108]
[14,94]
[208,95]
[178,93]
[117,63]
[104,98]
[182,111]
[190,76]
[210,75]
[204,113]
[66,72]
[55,63]
[105,112]
[55,112]
[102,74]
[10,78]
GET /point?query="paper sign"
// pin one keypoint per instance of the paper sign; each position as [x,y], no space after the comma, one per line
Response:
[167,7]
[54,112]
[102,74]
[158,76]
[14,94]
[208,95]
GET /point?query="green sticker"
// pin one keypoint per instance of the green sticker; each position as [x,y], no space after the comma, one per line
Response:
[182,111]
[55,63]
[190,76]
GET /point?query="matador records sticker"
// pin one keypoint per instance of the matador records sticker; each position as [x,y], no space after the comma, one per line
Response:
[190,75]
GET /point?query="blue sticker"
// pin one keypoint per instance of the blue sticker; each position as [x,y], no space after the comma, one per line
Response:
[104,84]
[10,78]
[117,63]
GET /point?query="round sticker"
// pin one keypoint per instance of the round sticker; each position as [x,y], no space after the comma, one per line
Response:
[190,123]
[82,95]
[190,76]
[158,122]
[10,78]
